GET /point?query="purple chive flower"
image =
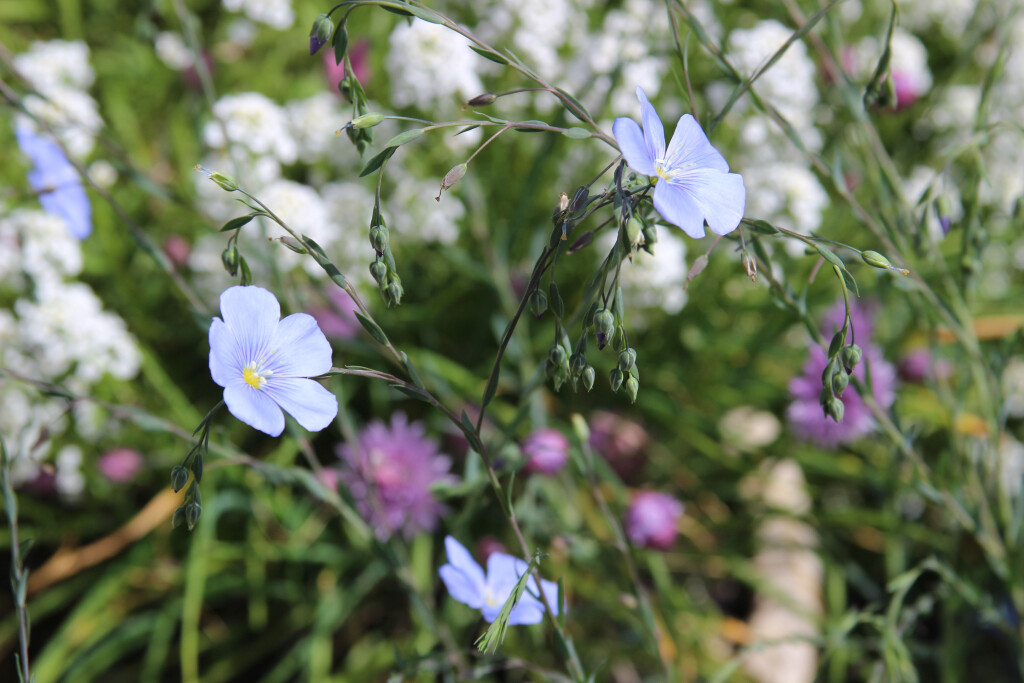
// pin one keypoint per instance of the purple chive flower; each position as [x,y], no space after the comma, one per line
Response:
[264,362]
[120,465]
[695,184]
[56,181]
[805,414]
[546,450]
[467,583]
[652,520]
[389,472]
[338,318]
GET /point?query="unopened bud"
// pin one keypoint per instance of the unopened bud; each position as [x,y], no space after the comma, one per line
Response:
[579,199]
[627,357]
[615,378]
[192,513]
[538,302]
[379,271]
[393,293]
[292,244]
[482,100]
[557,355]
[876,260]
[589,375]
[850,356]
[225,181]
[179,477]
[453,176]
[563,202]
[379,237]
[229,257]
[632,389]
[944,209]
[604,327]
[650,238]
[578,364]
[834,408]
[319,34]
[840,380]
[178,518]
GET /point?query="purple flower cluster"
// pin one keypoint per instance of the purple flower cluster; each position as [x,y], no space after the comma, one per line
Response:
[546,451]
[652,520]
[389,471]
[805,415]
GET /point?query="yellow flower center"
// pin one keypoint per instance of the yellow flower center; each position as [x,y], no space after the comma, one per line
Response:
[253,377]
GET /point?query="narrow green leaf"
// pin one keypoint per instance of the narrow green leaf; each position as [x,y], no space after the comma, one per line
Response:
[576,133]
[492,386]
[373,328]
[830,256]
[763,227]
[395,10]
[236,223]
[405,137]
[377,161]
[493,56]
[411,393]
[340,43]
[576,103]
[425,14]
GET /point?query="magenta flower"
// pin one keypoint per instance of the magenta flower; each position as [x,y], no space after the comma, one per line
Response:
[390,471]
[694,183]
[120,465]
[546,450]
[652,520]
[338,318]
[264,363]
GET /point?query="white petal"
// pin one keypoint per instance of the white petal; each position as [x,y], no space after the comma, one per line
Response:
[631,142]
[691,146]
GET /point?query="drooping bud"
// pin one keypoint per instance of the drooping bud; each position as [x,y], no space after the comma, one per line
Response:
[850,356]
[650,238]
[229,257]
[319,34]
[589,375]
[192,513]
[615,378]
[632,389]
[604,327]
[368,120]
[840,380]
[634,233]
[944,210]
[379,237]
[538,302]
[379,271]
[453,176]
[834,408]
[627,357]
[482,100]
[557,355]
[578,364]
[179,477]
[178,518]
[579,199]
[393,293]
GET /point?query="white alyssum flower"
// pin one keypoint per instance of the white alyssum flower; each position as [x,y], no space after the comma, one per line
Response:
[415,216]
[313,122]
[651,282]
[274,13]
[254,122]
[302,209]
[172,51]
[788,194]
[56,64]
[72,114]
[431,67]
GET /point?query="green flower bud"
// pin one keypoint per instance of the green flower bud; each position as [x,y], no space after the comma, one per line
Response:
[482,100]
[379,237]
[632,388]
[178,518]
[588,377]
[579,199]
[944,210]
[627,357]
[319,34]
[179,477]
[615,378]
[634,232]
[850,356]
[834,408]
[577,364]
[840,380]
[379,271]
[650,238]
[538,302]
[229,257]
[453,176]
[192,513]
[368,120]
[604,327]
[876,260]
[557,355]
[393,293]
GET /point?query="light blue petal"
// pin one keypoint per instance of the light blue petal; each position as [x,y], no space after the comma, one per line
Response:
[677,206]
[300,348]
[503,571]
[631,142]
[461,587]
[528,611]
[460,558]
[720,196]
[490,612]
[310,404]
[551,593]
[252,314]
[254,408]
[690,148]
[57,182]
[226,364]
[654,132]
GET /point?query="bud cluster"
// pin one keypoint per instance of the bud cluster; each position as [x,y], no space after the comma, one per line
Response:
[836,376]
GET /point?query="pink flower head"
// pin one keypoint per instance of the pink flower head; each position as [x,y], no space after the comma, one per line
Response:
[357,55]
[120,465]
[546,450]
[652,520]
[338,318]
[390,470]
[620,441]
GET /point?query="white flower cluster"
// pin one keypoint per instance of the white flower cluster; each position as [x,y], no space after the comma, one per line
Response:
[431,67]
[60,73]
[172,51]
[274,13]
[56,331]
[951,15]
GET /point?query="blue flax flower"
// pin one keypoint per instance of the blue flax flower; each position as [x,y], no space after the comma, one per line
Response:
[56,181]
[467,583]
[694,181]
[264,362]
